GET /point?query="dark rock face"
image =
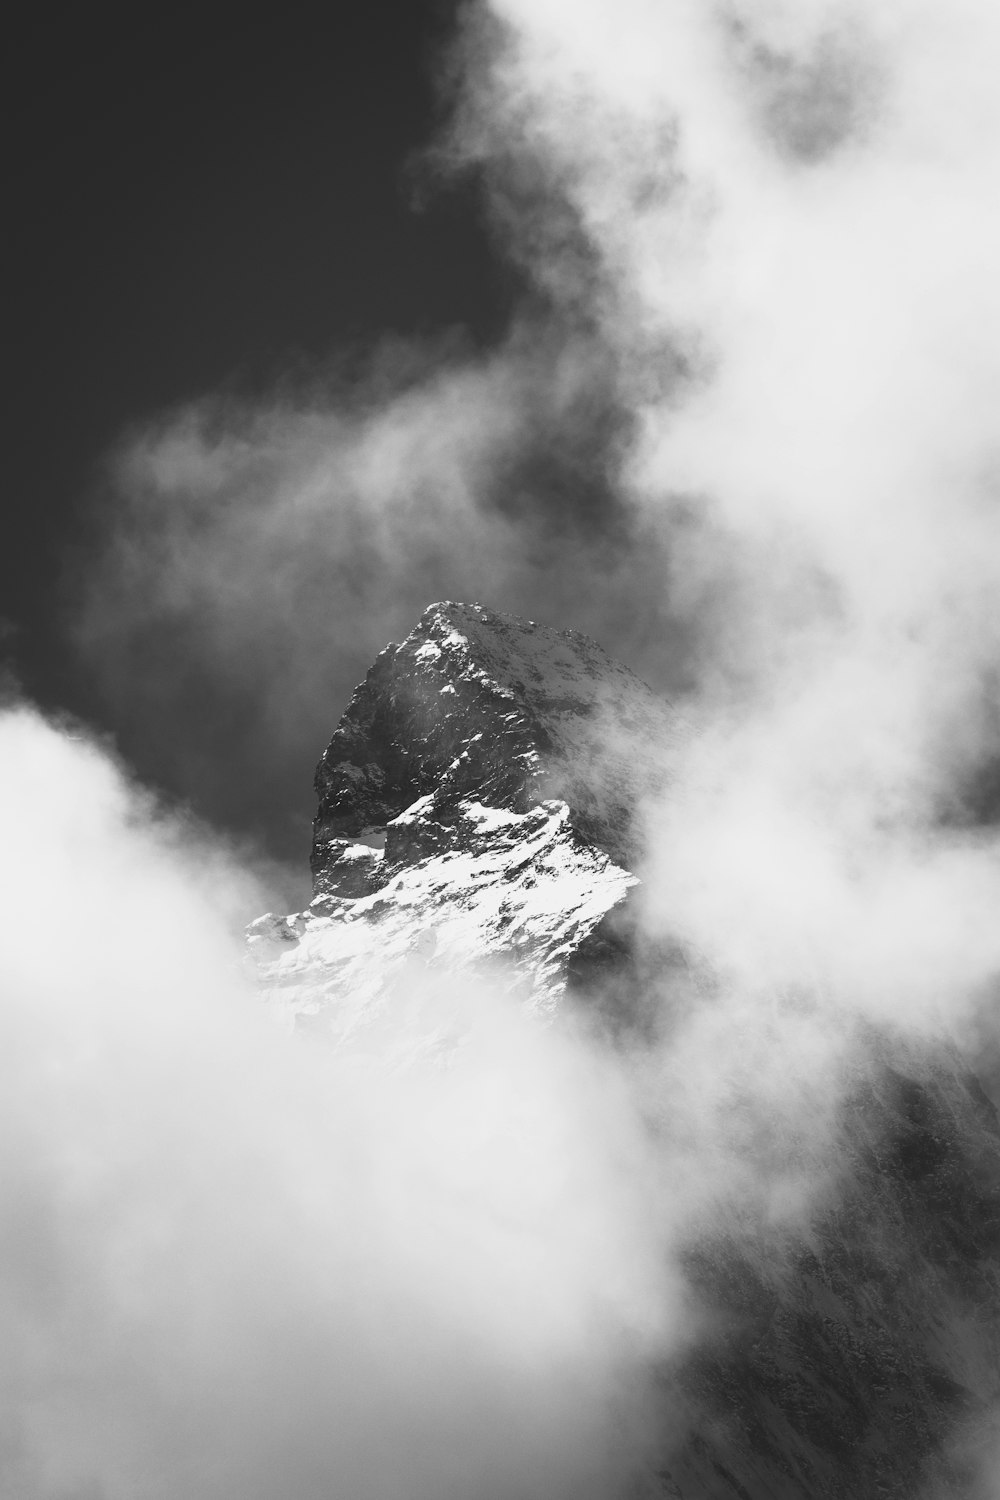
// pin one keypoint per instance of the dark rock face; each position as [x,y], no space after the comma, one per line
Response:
[475,704]
[479,793]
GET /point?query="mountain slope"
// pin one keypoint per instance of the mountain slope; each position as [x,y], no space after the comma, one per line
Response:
[476,803]
[483,705]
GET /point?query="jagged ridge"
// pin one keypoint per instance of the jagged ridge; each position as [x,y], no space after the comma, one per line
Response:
[476,803]
[477,704]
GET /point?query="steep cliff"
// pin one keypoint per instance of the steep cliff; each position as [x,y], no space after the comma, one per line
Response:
[484,706]
[476,808]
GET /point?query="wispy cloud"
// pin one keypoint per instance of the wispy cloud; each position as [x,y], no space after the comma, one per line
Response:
[250,559]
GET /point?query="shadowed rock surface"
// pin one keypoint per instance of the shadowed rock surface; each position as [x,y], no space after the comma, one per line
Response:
[858,1356]
[477,704]
[477,809]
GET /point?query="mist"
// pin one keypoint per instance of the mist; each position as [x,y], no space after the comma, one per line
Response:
[237,1263]
[246,561]
[743,432]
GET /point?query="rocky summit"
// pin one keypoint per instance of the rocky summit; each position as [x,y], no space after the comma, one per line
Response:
[480,707]
[477,810]
[478,814]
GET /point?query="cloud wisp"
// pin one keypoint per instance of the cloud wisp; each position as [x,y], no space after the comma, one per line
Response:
[251,559]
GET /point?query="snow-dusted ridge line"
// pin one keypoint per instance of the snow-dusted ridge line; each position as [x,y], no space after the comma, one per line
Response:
[476,704]
[516,899]
[475,814]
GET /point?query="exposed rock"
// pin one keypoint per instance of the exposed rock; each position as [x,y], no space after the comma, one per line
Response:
[476,704]
[481,788]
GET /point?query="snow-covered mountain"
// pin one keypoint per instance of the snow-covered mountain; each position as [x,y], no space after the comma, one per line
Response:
[477,814]
[476,810]
[476,705]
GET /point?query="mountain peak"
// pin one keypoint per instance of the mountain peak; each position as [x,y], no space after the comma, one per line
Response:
[479,794]
[479,704]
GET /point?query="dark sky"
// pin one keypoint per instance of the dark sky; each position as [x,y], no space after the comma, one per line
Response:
[196,197]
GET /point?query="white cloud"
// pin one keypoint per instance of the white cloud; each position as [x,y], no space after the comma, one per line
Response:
[234,1263]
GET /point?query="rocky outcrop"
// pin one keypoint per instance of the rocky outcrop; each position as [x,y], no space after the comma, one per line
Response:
[479,794]
[479,705]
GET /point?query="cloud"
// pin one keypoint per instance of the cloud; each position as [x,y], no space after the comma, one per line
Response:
[824,481]
[802,203]
[234,1263]
[743,417]
[248,560]
[743,430]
